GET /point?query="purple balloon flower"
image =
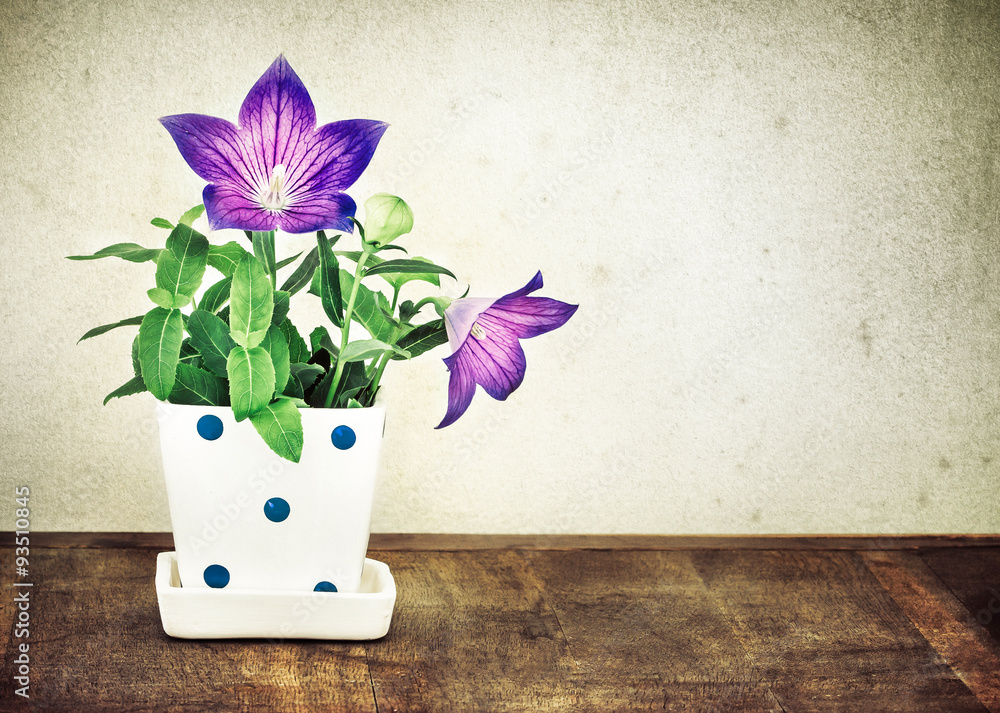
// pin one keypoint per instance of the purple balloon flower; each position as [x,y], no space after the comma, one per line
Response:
[484,335]
[276,170]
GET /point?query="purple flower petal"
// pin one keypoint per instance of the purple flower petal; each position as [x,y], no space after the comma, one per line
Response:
[495,357]
[535,283]
[338,154]
[489,351]
[277,118]
[461,388]
[461,315]
[212,147]
[318,212]
[530,316]
[227,207]
[276,170]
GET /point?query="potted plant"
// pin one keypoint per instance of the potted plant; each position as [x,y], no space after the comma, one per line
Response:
[271,435]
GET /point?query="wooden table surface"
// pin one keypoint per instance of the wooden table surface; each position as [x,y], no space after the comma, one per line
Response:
[544,624]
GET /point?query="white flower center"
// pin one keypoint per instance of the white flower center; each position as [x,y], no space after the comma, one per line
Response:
[477,331]
[275,198]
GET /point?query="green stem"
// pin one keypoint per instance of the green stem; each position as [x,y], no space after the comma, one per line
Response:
[384,359]
[345,330]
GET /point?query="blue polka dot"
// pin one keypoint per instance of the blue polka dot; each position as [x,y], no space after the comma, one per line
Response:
[209,427]
[325,587]
[343,437]
[216,576]
[276,509]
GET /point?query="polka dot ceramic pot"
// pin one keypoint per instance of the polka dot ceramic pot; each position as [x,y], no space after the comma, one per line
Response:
[245,518]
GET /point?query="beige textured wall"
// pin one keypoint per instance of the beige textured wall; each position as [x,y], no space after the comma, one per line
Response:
[780,220]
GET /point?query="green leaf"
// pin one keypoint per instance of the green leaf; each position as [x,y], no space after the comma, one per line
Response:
[134,385]
[251,303]
[287,261]
[389,318]
[275,344]
[297,349]
[180,267]
[189,354]
[281,305]
[367,310]
[416,266]
[367,348]
[334,240]
[104,328]
[125,251]
[353,384]
[320,338]
[303,273]
[263,249]
[163,298]
[198,387]
[386,218]
[216,295]
[225,258]
[160,337]
[352,381]
[306,373]
[192,215]
[423,338]
[251,380]
[162,223]
[210,336]
[329,285]
[293,389]
[136,366]
[280,425]
[398,280]
[353,403]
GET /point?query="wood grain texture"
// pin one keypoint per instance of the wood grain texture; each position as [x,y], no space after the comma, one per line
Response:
[790,630]
[449,542]
[97,646]
[646,633]
[470,632]
[944,621]
[826,636]
[974,580]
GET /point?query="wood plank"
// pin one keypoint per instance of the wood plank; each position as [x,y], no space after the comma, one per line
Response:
[448,542]
[540,629]
[646,633]
[974,578]
[471,632]
[944,621]
[97,645]
[826,636]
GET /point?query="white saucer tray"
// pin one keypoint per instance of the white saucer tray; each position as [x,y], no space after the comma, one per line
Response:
[197,613]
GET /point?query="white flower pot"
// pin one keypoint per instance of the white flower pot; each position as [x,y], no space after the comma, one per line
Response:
[245,518]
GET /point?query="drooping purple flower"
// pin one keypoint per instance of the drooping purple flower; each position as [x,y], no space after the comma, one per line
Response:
[276,170]
[484,333]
